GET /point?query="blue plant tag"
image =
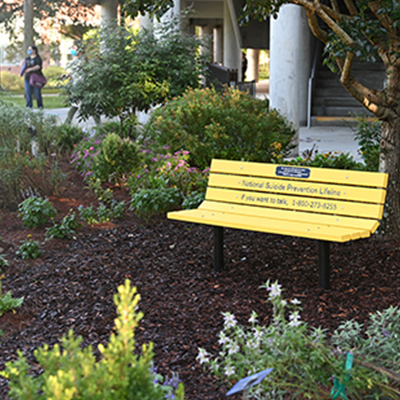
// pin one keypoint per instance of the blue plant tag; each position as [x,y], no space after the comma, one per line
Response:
[249,381]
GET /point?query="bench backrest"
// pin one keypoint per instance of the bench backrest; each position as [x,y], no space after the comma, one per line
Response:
[311,192]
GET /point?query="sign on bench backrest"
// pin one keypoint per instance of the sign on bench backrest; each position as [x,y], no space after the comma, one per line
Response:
[338,192]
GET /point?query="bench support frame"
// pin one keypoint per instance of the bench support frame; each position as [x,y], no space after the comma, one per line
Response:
[323,254]
[218,248]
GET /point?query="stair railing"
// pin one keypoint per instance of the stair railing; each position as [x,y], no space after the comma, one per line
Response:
[311,82]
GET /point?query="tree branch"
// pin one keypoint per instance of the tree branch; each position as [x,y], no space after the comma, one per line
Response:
[351,7]
[314,26]
[334,26]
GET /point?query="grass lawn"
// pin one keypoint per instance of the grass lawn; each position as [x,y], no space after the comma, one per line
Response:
[51,98]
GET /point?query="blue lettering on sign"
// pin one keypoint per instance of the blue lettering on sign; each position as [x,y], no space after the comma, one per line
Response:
[293,172]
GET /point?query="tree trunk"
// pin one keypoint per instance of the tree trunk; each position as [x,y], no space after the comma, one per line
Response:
[390,163]
[28,24]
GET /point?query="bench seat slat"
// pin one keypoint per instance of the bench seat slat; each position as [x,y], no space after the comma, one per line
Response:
[304,217]
[339,176]
[291,228]
[295,203]
[299,188]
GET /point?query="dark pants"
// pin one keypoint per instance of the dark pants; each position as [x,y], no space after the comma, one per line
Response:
[29,91]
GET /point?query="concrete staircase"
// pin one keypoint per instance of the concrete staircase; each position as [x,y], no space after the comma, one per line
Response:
[332,104]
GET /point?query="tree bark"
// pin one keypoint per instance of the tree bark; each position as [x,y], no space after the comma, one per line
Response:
[28,24]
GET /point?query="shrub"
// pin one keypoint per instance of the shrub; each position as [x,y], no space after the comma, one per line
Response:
[107,158]
[53,74]
[305,359]
[36,211]
[10,81]
[67,137]
[71,371]
[231,125]
[26,165]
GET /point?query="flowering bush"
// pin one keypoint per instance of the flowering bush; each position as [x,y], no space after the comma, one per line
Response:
[306,364]
[231,125]
[165,181]
[107,158]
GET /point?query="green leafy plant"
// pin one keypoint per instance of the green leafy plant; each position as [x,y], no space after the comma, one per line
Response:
[3,261]
[65,229]
[7,302]
[104,214]
[304,358]
[88,214]
[118,209]
[149,202]
[70,371]
[29,249]
[368,135]
[36,211]
[230,125]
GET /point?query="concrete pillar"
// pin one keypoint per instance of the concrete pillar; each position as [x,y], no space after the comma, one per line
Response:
[146,22]
[109,10]
[218,45]
[253,60]
[205,33]
[232,51]
[290,64]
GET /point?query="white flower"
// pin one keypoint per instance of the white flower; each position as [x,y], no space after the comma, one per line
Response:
[253,344]
[223,338]
[296,302]
[283,303]
[233,348]
[203,356]
[229,370]
[258,333]
[229,320]
[294,319]
[275,290]
[253,318]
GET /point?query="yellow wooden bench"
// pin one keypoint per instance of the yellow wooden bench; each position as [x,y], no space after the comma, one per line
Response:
[328,205]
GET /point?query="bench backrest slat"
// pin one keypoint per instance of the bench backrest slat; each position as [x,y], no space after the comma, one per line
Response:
[323,175]
[298,188]
[322,206]
[308,190]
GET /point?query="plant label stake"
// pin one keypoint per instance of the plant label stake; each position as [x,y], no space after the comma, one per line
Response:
[339,389]
[246,383]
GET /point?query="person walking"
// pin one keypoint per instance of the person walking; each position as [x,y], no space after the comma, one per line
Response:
[32,64]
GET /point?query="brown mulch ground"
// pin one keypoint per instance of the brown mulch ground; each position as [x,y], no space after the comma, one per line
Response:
[71,286]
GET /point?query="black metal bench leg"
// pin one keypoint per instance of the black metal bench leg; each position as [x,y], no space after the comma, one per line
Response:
[323,253]
[218,248]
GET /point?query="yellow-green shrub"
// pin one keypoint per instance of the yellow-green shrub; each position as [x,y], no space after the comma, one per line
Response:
[72,372]
[10,81]
[232,125]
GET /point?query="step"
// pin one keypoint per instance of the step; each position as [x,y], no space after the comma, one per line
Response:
[332,111]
